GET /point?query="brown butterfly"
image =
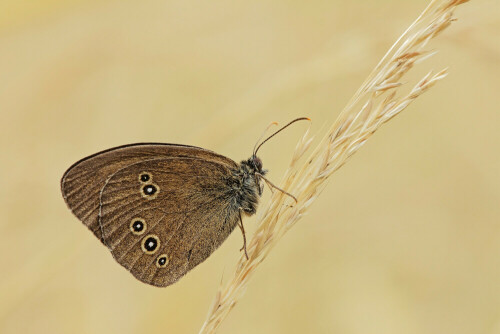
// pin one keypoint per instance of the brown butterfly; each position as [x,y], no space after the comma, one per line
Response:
[162,209]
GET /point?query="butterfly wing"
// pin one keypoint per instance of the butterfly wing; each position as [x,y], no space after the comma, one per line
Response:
[161,225]
[82,183]
[183,212]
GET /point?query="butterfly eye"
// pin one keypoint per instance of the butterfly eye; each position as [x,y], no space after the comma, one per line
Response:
[138,226]
[150,244]
[150,191]
[162,261]
[144,177]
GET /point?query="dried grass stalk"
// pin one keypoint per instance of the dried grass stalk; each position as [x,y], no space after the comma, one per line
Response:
[373,104]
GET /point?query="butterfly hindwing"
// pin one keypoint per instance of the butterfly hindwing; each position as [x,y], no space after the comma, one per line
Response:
[186,215]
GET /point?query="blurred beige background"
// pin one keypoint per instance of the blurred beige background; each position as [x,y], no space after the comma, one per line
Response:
[405,238]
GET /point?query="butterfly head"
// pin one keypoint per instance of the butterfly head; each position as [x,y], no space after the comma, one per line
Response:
[256,164]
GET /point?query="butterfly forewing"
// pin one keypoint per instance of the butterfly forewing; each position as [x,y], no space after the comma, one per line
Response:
[83,181]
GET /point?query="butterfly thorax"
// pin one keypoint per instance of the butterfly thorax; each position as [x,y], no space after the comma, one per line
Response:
[247,184]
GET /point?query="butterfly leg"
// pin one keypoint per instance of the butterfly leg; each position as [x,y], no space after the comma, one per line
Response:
[271,186]
[240,224]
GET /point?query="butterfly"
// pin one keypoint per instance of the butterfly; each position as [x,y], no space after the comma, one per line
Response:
[162,209]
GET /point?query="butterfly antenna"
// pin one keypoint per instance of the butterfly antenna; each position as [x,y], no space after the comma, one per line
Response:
[263,133]
[283,128]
